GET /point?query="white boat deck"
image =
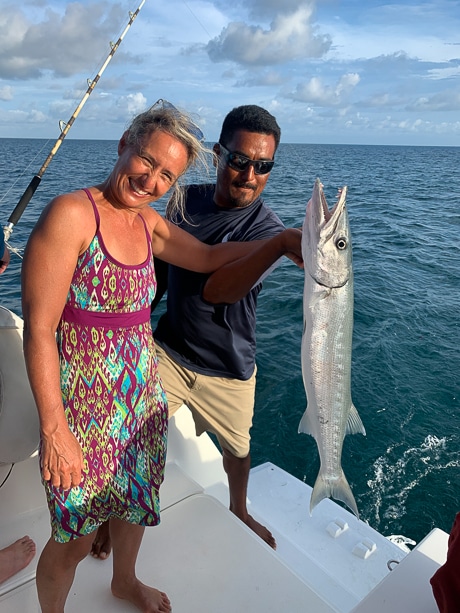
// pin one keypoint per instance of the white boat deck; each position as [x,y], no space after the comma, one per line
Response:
[407,589]
[201,555]
[209,562]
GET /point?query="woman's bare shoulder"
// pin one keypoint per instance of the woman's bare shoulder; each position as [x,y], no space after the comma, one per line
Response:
[151,217]
[68,206]
[73,201]
[68,215]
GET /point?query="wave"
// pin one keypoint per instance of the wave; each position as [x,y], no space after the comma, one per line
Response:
[400,472]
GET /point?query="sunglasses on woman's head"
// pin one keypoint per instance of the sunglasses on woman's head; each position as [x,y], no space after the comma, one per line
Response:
[240,162]
[191,127]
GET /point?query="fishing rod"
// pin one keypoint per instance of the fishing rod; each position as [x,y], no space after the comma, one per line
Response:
[64,127]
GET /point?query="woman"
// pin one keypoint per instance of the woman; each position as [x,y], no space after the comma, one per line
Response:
[88,274]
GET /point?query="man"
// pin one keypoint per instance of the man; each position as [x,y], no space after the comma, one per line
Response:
[206,351]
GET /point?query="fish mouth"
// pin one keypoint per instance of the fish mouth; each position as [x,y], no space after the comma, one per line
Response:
[329,218]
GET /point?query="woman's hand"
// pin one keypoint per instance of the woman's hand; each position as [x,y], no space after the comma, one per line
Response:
[62,458]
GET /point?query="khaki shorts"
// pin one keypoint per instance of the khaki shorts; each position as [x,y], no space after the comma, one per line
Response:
[222,406]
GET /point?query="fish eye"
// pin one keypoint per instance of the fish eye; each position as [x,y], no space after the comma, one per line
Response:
[341,243]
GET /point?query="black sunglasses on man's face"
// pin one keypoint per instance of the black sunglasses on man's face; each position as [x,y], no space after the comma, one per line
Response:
[240,162]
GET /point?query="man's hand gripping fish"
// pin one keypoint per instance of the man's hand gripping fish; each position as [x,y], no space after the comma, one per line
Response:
[326,341]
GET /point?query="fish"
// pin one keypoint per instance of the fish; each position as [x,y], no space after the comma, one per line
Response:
[327,342]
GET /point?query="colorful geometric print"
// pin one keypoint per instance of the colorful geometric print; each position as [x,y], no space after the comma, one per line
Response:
[102,284]
[113,397]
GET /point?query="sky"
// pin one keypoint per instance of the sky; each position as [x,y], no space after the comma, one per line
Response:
[331,71]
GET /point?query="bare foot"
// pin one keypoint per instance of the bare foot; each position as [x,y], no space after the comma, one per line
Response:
[15,557]
[261,531]
[102,545]
[146,599]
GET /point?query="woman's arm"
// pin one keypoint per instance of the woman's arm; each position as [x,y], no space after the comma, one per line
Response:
[178,247]
[49,262]
[238,265]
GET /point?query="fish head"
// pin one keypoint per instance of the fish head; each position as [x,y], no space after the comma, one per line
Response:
[326,239]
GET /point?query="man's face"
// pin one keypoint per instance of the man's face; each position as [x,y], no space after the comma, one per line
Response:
[236,189]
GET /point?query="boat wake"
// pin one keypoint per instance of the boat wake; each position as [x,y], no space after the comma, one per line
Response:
[399,472]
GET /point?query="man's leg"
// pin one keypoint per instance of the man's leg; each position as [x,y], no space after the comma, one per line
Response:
[237,470]
[102,546]
[225,407]
[126,540]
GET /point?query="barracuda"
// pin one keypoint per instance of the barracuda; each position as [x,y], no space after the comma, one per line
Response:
[326,341]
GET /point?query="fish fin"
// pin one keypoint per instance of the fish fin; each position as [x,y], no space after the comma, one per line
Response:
[305,426]
[337,488]
[354,423]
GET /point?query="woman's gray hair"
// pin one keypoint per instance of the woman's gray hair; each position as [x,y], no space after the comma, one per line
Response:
[165,117]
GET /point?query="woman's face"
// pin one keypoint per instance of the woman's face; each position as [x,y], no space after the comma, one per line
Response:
[144,174]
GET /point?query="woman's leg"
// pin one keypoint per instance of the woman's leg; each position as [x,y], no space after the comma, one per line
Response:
[56,571]
[126,541]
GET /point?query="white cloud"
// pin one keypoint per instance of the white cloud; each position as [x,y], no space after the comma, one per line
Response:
[291,36]
[316,92]
[22,117]
[132,104]
[6,93]
[443,101]
[380,100]
[449,71]
[352,71]
[63,44]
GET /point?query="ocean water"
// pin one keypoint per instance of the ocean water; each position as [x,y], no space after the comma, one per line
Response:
[403,204]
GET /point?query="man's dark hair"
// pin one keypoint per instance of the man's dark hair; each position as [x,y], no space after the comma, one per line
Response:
[251,118]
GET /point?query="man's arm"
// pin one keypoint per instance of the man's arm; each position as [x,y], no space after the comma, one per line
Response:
[233,281]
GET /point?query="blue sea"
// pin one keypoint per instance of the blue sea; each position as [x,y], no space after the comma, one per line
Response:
[403,204]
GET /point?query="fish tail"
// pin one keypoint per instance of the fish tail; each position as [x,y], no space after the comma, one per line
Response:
[333,488]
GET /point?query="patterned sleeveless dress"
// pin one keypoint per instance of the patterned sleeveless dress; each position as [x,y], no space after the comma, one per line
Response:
[113,397]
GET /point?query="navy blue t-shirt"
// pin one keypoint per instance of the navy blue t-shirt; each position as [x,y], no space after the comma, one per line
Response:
[215,340]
